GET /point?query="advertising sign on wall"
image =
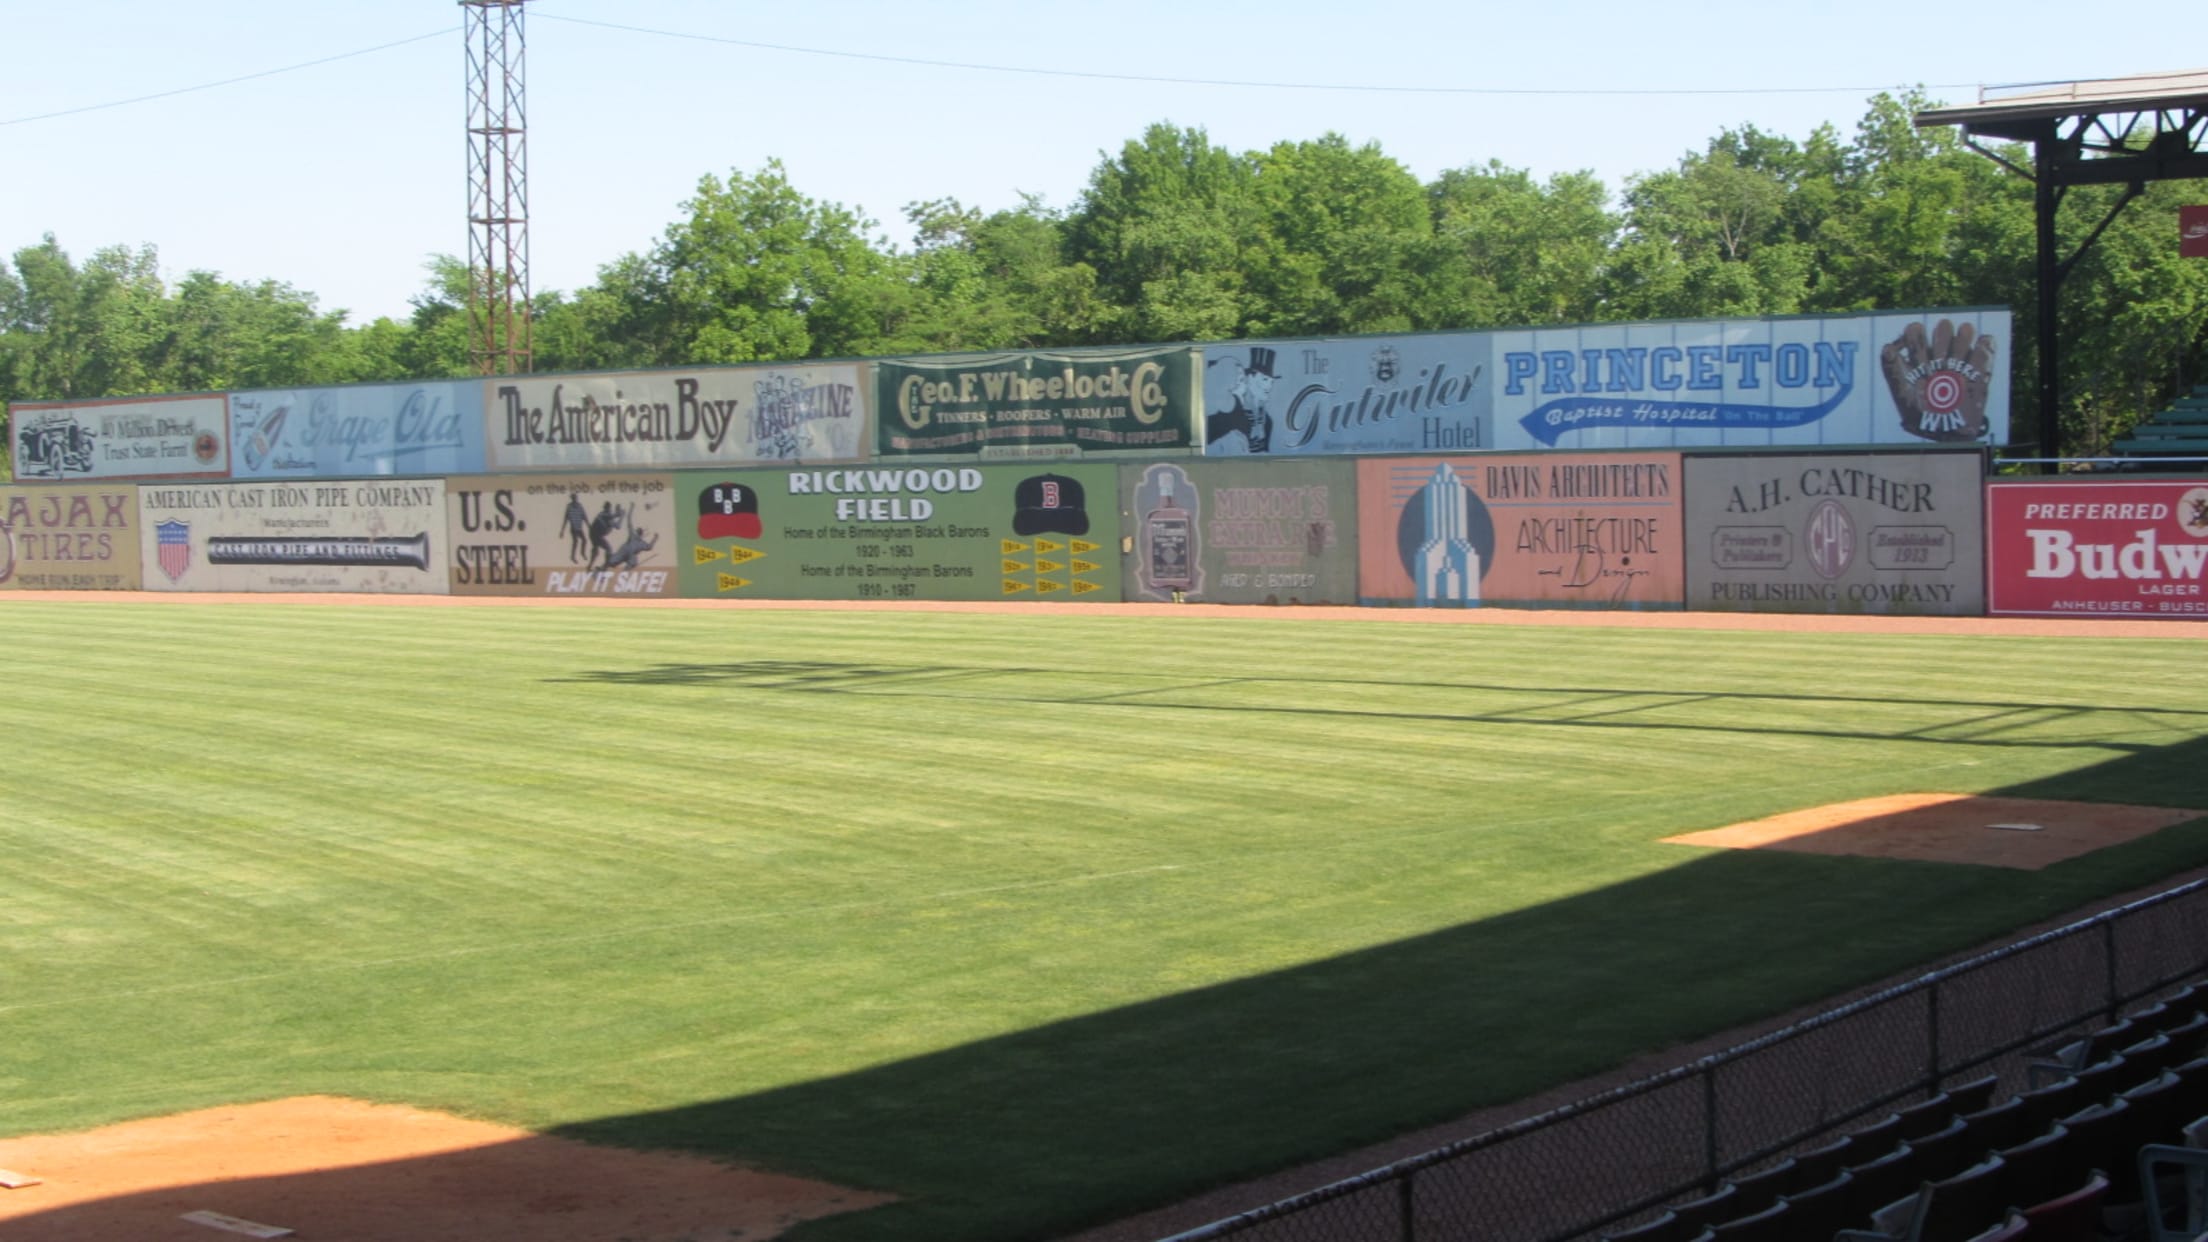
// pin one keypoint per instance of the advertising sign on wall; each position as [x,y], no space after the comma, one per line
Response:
[377,535]
[645,419]
[1375,394]
[1038,404]
[129,438]
[562,535]
[347,433]
[1879,533]
[1241,532]
[69,538]
[1568,530]
[2134,549]
[1046,531]
[1917,378]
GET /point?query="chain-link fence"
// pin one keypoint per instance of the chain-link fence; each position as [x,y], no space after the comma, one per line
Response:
[1616,1158]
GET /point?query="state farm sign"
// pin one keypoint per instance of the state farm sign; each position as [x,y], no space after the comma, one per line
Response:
[2136,549]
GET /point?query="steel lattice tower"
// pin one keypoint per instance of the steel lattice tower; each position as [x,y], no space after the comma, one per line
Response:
[498,188]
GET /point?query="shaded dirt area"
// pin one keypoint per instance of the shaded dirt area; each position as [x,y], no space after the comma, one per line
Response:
[2023,833]
[325,1167]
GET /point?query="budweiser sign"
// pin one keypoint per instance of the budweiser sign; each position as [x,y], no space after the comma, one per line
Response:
[2119,549]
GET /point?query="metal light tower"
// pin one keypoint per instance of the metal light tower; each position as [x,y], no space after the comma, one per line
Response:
[498,188]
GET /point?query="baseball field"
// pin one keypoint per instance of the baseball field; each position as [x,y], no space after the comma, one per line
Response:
[1024,921]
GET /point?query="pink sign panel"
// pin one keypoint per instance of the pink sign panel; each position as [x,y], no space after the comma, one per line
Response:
[2133,549]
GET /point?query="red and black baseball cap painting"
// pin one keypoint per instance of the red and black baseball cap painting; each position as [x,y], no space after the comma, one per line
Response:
[728,511]
[1050,502]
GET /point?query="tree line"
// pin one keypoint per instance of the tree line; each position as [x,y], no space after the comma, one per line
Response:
[1175,238]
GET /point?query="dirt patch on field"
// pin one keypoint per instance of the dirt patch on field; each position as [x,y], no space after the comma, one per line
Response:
[2023,833]
[334,1168]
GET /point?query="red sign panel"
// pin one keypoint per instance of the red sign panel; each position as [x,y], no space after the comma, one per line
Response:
[2135,549]
[2192,232]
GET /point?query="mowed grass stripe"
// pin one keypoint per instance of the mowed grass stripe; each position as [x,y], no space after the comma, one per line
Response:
[1032,920]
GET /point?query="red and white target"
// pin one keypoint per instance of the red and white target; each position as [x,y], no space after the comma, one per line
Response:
[1943,392]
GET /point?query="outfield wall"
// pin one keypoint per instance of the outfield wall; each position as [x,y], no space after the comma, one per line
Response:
[1801,464]
[1901,533]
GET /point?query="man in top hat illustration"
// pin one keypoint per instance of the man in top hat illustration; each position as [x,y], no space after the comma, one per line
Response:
[1247,414]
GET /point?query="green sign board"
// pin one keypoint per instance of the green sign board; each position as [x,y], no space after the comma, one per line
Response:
[1038,531]
[1038,404]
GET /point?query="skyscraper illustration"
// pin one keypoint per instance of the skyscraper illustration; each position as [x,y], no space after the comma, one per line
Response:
[1448,566]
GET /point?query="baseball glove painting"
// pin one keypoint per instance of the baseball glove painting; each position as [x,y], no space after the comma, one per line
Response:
[1939,385]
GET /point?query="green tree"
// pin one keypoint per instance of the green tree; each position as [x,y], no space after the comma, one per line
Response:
[79,332]
[1731,231]
[1167,226]
[1509,250]
[1342,234]
[756,270]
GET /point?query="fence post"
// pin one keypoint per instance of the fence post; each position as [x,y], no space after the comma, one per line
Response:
[2108,946]
[1709,1127]
[1407,1212]
[1932,1069]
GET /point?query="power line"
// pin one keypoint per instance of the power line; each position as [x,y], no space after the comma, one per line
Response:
[1259,85]
[208,86]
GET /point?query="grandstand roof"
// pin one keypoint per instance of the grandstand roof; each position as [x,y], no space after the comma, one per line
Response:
[2001,109]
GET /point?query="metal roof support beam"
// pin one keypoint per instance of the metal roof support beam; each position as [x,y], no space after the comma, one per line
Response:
[2120,131]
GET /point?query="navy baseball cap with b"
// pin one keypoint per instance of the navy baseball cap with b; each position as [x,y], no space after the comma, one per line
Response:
[728,511]
[1050,502]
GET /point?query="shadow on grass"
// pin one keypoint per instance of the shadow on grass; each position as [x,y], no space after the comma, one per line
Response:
[1044,1131]
[1977,722]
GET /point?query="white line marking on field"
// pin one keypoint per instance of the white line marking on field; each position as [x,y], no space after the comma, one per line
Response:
[233,1224]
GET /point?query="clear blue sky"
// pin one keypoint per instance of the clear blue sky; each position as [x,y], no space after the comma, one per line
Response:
[344,178]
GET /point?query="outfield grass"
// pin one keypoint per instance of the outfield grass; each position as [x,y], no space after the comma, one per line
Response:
[1033,921]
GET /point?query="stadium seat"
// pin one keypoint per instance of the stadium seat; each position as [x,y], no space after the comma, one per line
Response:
[1975,1095]
[1819,1165]
[1758,1190]
[1773,1224]
[2071,1055]
[2192,1078]
[2104,1079]
[1945,1153]
[2000,1125]
[1874,1139]
[1887,1180]
[1696,1214]
[1948,1210]
[2097,1128]
[2191,1035]
[1665,1228]
[1824,1209]
[2014,1229]
[2169,1171]
[2047,1104]
[2153,1113]
[2042,1166]
[2074,1217]
[1924,1117]
[2150,1056]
